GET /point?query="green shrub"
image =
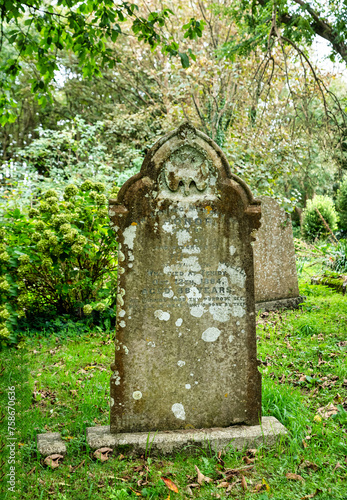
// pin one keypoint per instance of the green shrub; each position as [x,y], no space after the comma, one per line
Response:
[341,204]
[337,258]
[312,225]
[58,257]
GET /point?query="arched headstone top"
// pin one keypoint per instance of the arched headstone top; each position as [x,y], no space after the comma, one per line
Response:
[186,166]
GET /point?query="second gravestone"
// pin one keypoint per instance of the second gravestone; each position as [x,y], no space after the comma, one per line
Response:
[186,342]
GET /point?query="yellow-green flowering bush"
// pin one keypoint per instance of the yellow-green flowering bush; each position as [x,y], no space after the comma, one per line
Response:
[58,257]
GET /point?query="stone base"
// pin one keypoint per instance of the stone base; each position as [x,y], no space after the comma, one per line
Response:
[274,305]
[188,440]
[50,443]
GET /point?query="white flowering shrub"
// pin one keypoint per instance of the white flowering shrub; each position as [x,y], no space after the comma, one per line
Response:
[58,257]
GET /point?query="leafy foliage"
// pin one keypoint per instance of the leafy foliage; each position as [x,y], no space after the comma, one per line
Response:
[39,30]
[293,21]
[312,225]
[338,257]
[58,258]
[341,204]
[72,154]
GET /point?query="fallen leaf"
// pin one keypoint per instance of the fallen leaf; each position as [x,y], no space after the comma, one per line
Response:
[337,466]
[244,483]
[294,477]
[311,495]
[259,487]
[230,487]
[232,472]
[219,458]
[138,468]
[251,452]
[189,491]
[201,477]
[215,495]
[223,484]
[338,398]
[327,411]
[194,485]
[53,460]
[304,444]
[170,484]
[308,465]
[102,454]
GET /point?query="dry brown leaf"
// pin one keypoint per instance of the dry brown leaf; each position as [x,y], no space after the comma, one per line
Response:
[327,411]
[201,477]
[251,452]
[304,444]
[232,472]
[138,468]
[259,487]
[223,484]
[102,454]
[244,483]
[308,465]
[53,460]
[294,477]
[230,487]
[194,485]
[170,484]
[189,491]
[337,466]
[311,495]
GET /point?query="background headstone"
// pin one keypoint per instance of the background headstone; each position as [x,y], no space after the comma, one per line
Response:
[185,334]
[276,280]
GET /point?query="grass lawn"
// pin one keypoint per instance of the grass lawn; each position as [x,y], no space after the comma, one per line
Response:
[62,384]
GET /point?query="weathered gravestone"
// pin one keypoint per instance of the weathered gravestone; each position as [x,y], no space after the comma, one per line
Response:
[186,342]
[275,276]
[186,366]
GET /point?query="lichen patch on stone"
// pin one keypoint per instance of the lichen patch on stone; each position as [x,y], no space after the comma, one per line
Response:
[129,234]
[211,334]
[178,411]
[162,315]
[197,311]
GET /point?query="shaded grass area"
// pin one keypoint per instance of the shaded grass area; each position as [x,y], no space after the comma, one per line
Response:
[62,384]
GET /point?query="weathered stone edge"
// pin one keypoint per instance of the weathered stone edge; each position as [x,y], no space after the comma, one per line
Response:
[169,442]
[50,443]
[273,305]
